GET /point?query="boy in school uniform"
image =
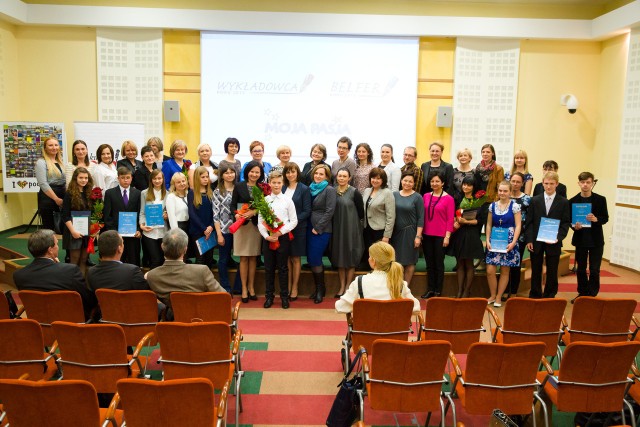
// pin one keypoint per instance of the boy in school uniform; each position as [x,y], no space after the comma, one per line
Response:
[285,210]
[123,198]
[589,241]
[552,205]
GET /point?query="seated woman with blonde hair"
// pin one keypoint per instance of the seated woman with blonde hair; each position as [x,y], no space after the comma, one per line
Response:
[385,282]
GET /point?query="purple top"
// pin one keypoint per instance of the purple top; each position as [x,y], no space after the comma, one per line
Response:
[438,215]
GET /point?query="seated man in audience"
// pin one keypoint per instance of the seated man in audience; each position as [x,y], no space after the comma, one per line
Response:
[111,273]
[46,273]
[176,276]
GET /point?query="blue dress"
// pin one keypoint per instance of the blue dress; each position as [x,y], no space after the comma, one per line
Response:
[504,219]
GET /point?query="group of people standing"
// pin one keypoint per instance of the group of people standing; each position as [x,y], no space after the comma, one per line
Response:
[435,206]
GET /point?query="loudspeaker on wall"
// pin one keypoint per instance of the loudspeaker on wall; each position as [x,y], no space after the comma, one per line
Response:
[172,111]
[444,119]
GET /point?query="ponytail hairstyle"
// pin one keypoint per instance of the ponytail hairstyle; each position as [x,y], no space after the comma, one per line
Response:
[384,255]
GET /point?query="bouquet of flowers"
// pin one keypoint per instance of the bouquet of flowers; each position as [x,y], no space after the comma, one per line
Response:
[96,221]
[185,168]
[471,206]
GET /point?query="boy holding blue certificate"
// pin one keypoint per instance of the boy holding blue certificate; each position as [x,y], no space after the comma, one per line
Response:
[547,224]
[589,213]
[121,208]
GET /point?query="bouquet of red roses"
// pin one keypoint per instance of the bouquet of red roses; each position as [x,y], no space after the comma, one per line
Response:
[96,221]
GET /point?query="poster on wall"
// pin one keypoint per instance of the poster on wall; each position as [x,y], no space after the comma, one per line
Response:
[21,147]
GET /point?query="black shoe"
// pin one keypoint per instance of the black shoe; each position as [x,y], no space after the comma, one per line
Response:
[574,300]
[269,302]
[313,295]
[337,296]
[253,297]
[427,295]
[505,297]
[293,299]
[245,300]
[285,302]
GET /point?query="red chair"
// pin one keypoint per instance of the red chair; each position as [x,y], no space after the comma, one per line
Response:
[205,307]
[5,312]
[22,351]
[135,311]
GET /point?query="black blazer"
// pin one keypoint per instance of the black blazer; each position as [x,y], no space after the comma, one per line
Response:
[127,164]
[448,177]
[599,209]
[113,205]
[116,275]
[306,177]
[302,201]
[241,194]
[561,189]
[43,274]
[560,209]
[141,177]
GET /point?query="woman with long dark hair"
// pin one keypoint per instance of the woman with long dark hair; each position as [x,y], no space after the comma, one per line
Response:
[154,194]
[76,199]
[79,158]
[105,174]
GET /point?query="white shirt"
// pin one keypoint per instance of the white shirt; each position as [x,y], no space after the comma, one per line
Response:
[212,176]
[157,232]
[177,209]
[374,286]
[548,200]
[393,176]
[284,209]
[105,177]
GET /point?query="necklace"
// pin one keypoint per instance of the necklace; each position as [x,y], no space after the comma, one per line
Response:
[340,191]
[432,206]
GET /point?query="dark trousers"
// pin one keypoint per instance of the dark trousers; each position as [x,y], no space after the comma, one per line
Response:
[588,285]
[434,257]
[371,236]
[223,263]
[279,259]
[46,206]
[131,254]
[152,250]
[552,261]
[514,272]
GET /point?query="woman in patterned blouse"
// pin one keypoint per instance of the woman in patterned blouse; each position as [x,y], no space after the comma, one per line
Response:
[223,217]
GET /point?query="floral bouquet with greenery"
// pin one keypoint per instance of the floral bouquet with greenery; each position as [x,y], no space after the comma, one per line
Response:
[96,219]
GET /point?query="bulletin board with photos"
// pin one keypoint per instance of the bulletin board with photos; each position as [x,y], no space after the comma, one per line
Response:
[22,144]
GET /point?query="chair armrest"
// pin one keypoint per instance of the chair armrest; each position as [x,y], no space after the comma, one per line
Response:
[349,319]
[237,337]
[420,326]
[565,324]
[454,362]
[110,416]
[235,311]
[222,405]
[635,370]
[635,321]
[496,319]
[20,311]
[144,341]
[53,349]
[546,365]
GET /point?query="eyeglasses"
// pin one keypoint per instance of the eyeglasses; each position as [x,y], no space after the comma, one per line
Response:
[408,155]
[257,151]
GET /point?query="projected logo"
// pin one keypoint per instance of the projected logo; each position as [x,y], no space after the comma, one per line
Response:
[275,125]
[264,87]
[363,88]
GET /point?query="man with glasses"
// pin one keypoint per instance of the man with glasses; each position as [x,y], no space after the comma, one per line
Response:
[344,161]
[409,158]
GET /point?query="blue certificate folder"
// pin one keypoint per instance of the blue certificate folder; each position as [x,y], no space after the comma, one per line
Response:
[153,212]
[499,239]
[548,231]
[205,245]
[127,223]
[579,212]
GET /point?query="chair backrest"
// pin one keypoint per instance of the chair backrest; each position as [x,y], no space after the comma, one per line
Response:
[601,319]
[206,306]
[135,311]
[48,307]
[96,353]
[51,403]
[168,403]
[501,376]
[22,349]
[457,320]
[206,343]
[376,319]
[595,364]
[407,362]
[534,320]
[4,307]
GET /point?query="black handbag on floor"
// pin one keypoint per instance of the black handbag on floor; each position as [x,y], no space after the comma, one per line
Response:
[346,406]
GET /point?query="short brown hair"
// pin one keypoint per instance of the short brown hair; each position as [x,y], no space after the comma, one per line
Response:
[290,166]
[379,173]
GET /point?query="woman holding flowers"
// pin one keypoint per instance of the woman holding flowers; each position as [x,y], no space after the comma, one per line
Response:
[503,214]
[223,217]
[177,162]
[277,218]
[247,239]
[466,244]
[201,213]
[77,198]
[155,194]
[323,204]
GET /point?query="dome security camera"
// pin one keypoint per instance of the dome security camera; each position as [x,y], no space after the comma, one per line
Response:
[571,102]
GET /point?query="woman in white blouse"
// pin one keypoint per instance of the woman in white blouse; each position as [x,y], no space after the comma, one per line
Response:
[385,282]
[80,157]
[152,236]
[176,203]
[386,162]
[105,175]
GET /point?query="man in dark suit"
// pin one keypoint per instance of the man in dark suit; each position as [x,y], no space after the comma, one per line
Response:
[550,166]
[176,276]
[111,273]
[46,273]
[123,198]
[589,240]
[550,204]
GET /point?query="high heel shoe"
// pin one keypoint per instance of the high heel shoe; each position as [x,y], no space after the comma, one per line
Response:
[245,300]
[293,298]
[253,297]
[337,296]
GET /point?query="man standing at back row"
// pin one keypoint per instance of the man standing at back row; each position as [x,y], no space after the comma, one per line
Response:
[546,205]
[344,161]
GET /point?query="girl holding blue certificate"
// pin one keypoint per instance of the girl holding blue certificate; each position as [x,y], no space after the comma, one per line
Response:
[201,214]
[503,229]
[152,212]
[76,207]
